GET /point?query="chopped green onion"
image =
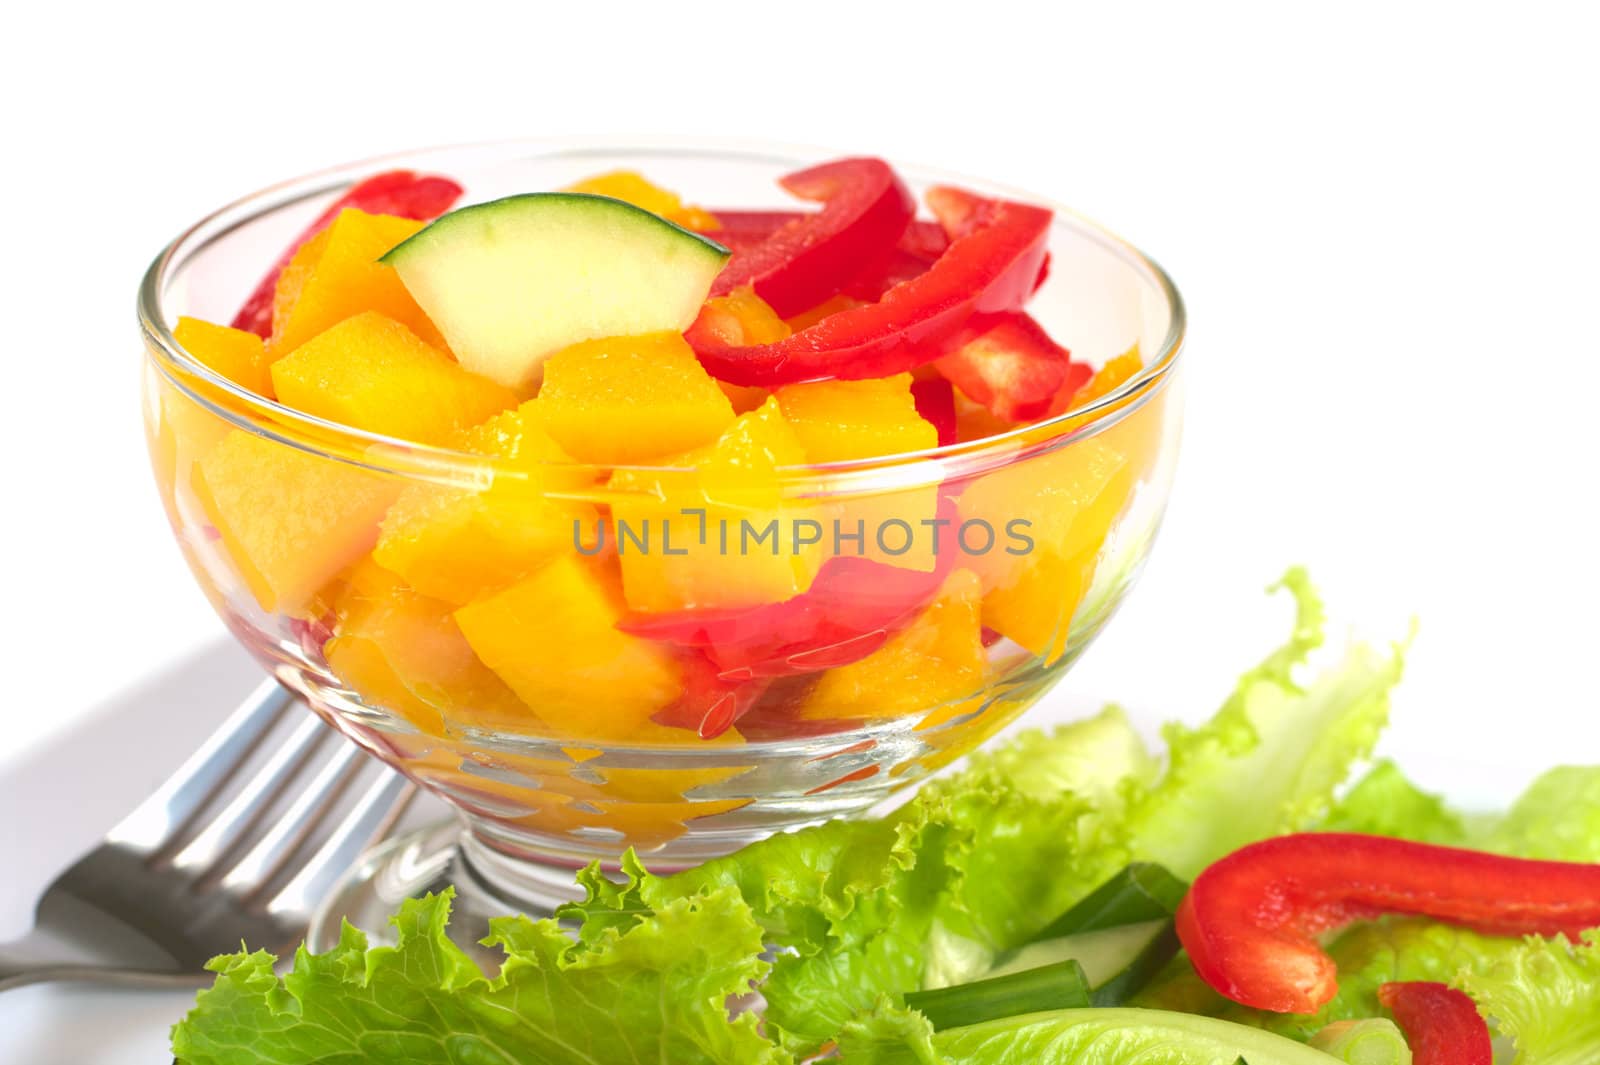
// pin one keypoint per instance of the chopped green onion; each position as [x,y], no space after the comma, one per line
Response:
[1377,1041]
[1162,948]
[1144,891]
[1050,987]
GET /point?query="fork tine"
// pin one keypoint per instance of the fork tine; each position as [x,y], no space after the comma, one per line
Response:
[246,808]
[267,857]
[156,822]
[382,805]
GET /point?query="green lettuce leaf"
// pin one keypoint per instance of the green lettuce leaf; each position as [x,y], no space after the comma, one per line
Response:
[1272,758]
[1545,995]
[1385,803]
[1557,818]
[980,861]
[1069,1037]
[655,991]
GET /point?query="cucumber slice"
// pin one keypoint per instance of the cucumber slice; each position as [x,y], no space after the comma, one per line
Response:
[512,281]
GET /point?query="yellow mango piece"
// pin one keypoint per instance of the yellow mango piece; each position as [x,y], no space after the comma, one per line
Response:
[645,826]
[1117,370]
[336,275]
[373,373]
[842,420]
[289,520]
[553,638]
[459,545]
[742,317]
[937,659]
[623,400]
[404,652]
[632,187]
[830,306]
[1065,504]
[740,547]
[838,421]
[974,421]
[239,356]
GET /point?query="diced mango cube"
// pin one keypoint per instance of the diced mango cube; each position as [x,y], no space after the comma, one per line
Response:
[838,421]
[373,373]
[458,544]
[842,420]
[289,520]
[404,652]
[622,400]
[742,317]
[739,546]
[553,638]
[632,187]
[1065,504]
[239,356]
[937,659]
[336,275]
[827,308]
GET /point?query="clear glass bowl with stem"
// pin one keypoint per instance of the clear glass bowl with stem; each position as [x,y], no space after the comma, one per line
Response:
[534,706]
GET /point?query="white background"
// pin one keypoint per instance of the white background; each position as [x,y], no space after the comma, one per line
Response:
[1384,219]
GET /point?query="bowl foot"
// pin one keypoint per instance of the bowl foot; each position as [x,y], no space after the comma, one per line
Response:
[428,860]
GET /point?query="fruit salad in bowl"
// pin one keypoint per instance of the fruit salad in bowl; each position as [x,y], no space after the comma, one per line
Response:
[658,498]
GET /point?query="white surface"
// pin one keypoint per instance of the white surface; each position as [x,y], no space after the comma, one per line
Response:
[1383,220]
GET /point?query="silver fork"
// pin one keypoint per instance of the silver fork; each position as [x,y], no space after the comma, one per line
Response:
[239,845]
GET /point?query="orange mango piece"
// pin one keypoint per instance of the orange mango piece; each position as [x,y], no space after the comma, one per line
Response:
[1117,370]
[459,545]
[740,548]
[830,306]
[404,652]
[937,659]
[239,356]
[553,638]
[373,373]
[838,421]
[337,274]
[1069,500]
[632,187]
[623,400]
[289,520]
[742,317]
[842,420]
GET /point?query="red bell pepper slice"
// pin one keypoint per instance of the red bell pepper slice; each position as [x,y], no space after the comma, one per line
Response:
[853,606]
[710,705]
[865,209]
[1442,1025]
[990,269]
[1009,364]
[935,398]
[1250,920]
[395,192]
[920,245]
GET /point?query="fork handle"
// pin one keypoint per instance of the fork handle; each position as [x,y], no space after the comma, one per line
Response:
[38,958]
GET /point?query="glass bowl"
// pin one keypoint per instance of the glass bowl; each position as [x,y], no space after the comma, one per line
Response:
[533,702]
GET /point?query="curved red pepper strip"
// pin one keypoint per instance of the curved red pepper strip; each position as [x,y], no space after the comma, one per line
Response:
[1009,364]
[1442,1025]
[852,607]
[865,210]
[1250,920]
[989,270]
[709,704]
[920,245]
[935,398]
[395,192]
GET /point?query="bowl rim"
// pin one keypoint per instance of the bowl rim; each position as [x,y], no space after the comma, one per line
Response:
[387,454]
